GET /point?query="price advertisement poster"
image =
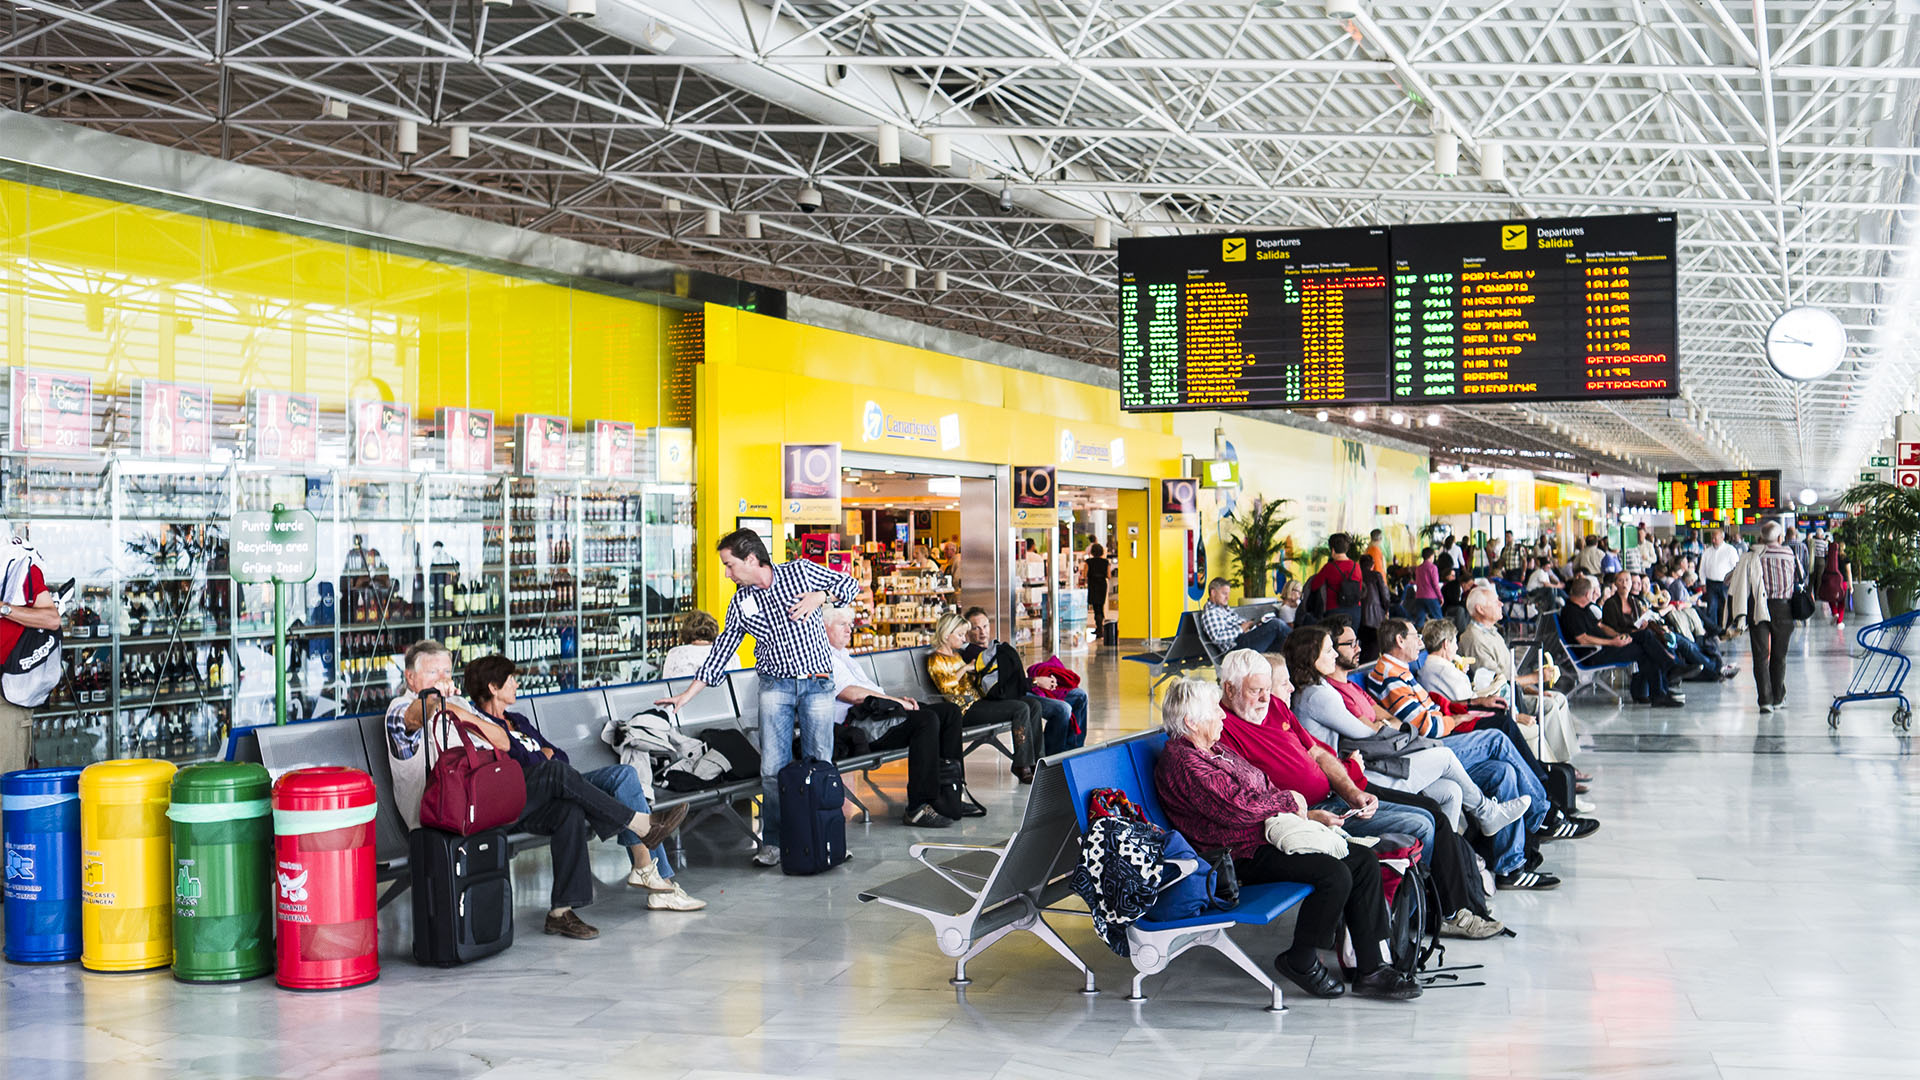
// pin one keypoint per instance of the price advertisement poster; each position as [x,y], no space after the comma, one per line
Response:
[466,439]
[612,449]
[52,412]
[381,431]
[286,427]
[540,447]
[810,483]
[1036,500]
[672,455]
[176,420]
[1179,502]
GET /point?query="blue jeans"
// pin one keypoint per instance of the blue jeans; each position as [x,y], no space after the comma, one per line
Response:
[786,704]
[621,782]
[1423,610]
[1387,818]
[1499,770]
[1057,720]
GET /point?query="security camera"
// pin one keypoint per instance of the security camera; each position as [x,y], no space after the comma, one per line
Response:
[809,199]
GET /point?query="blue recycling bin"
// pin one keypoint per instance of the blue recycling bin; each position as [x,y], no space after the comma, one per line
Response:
[40,821]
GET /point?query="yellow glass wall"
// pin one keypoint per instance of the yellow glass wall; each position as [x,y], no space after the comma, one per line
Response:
[122,291]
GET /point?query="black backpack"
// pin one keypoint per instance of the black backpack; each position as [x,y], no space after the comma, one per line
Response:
[1349,594]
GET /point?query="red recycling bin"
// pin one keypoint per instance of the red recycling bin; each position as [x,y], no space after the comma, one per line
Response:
[326,914]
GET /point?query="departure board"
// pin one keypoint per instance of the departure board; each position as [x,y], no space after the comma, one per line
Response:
[1541,310]
[1730,498]
[1253,320]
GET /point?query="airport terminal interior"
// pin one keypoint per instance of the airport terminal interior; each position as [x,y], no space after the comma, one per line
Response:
[973,538]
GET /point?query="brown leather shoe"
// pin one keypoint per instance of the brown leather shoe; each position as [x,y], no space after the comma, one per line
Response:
[663,825]
[571,925]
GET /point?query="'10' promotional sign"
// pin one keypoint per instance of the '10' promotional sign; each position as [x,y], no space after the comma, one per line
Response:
[466,438]
[286,427]
[52,412]
[1036,499]
[810,483]
[176,420]
[541,445]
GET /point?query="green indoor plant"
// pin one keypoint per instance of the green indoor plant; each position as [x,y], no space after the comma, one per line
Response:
[1253,546]
[1883,541]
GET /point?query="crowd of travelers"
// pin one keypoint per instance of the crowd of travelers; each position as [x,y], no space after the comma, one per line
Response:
[1366,704]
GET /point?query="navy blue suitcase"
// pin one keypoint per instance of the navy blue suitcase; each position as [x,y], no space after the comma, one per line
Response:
[813,820]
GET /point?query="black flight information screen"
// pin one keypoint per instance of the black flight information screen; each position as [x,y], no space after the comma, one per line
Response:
[1544,309]
[1252,320]
[1733,498]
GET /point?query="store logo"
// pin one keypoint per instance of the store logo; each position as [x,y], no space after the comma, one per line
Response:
[19,867]
[1072,450]
[1066,446]
[876,423]
[294,889]
[1513,237]
[1233,249]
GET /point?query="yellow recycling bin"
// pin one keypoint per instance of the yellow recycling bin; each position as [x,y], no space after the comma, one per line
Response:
[126,865]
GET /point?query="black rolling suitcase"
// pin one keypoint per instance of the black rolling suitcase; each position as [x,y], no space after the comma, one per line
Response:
[462,896]
[813,819]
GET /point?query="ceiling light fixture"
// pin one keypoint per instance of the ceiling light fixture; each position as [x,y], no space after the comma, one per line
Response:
[659,38]
[406,137]
[1102,233]
[1433,419]
[1808,496]
[460,142]
[1340,9]
[712,227]
[1493,161]
[910,277]
[1398,418]
[670,204]
[940,150]
[1321,416]
[582,9]
[1006,197]
[1446,153]
[752,226]
[940,281]
[1359,416]
[336,108]
[888,138]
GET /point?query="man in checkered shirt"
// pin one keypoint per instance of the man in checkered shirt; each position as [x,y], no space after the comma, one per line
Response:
[780,606]
[1223,626]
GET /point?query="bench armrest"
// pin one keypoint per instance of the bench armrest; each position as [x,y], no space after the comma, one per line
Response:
[919,852]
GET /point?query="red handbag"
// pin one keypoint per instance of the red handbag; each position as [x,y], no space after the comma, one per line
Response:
[472,787]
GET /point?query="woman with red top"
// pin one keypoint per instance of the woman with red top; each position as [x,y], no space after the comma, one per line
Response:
[1216,799]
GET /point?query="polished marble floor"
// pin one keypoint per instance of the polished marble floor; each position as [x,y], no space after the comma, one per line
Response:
[1747,911]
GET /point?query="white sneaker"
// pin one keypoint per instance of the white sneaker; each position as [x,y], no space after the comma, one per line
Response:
[1766,708]
[675,899]
[1582,806]
[768,855]
[1465,924]
[1495,815]
[650,879]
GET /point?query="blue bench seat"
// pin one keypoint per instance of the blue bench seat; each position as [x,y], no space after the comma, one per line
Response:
[1127,765]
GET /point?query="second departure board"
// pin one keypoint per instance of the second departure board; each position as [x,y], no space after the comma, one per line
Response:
[1541,310]
[1253,320]
[1733,498]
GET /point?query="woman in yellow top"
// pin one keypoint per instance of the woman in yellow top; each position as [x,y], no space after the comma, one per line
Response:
[964,684]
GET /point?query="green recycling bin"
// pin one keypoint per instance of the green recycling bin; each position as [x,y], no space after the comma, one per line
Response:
[222,872]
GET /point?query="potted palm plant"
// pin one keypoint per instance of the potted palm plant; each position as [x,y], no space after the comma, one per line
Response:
[1883,540]
[1254,547]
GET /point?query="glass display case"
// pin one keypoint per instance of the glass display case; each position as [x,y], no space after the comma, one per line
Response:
[578,581]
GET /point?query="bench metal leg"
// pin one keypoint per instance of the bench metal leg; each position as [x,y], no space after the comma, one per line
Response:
[992,740]
[392,891]
[866,776]
[1153,950]
[1036,925]
[866,815]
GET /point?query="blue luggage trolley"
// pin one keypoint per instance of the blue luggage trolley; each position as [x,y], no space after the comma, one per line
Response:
[1881,670]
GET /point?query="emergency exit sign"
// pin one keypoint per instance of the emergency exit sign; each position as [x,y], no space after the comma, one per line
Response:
[1879,461]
